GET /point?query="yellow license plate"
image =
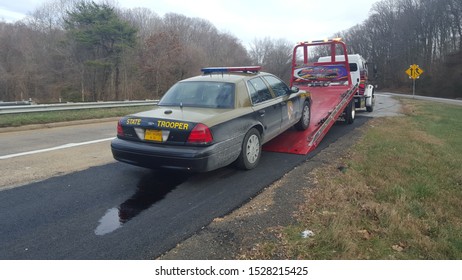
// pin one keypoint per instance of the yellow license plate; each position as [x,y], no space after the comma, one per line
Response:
[153,135]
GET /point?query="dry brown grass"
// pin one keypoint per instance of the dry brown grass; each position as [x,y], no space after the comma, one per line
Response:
[395,195]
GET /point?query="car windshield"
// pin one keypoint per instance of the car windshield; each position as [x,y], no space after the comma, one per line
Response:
[200,94]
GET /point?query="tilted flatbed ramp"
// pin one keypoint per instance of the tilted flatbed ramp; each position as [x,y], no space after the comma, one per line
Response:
[329,105]
[331,91]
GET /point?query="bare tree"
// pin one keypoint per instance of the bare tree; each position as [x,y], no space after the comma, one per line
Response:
[42,60]
[403,32]
[274,55]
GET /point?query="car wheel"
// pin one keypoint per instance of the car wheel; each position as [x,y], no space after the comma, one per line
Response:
[251,150]
[350,113]
[304,121]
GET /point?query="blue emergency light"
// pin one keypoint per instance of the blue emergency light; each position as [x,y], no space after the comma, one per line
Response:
[244,69]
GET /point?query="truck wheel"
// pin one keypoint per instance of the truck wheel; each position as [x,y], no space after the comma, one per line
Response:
[304,121]
[350,113]
[251,150]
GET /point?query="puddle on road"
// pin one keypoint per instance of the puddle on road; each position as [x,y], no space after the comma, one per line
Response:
[109,222]
[151,188]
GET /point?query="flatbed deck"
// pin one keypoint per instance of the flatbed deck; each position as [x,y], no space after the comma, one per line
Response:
[328,104]
[331,91]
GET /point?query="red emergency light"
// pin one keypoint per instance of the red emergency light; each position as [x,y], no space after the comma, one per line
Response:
[244,69]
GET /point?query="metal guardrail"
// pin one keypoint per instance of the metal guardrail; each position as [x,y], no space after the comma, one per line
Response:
[15,103]
[72,106]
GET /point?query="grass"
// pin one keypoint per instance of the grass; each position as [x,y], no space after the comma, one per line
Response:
[396,195]
[12,120]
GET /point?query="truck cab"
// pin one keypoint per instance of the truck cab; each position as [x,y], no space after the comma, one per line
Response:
[364,97]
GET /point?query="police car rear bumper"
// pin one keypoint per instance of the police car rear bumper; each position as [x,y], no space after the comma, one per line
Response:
[189,158]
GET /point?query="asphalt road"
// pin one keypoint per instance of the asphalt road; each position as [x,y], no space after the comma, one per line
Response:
[425,98]
[110,210]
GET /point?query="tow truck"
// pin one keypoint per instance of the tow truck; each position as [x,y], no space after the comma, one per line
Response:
[332,93]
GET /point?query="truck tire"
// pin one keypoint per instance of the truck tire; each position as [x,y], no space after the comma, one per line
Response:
[350,113]
[251,150]
[304,121]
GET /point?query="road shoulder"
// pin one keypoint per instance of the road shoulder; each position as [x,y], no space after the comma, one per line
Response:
[230,237]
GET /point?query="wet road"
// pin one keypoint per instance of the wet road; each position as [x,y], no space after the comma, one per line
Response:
[116,211]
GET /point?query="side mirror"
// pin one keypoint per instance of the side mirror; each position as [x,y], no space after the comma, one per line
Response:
[294,89]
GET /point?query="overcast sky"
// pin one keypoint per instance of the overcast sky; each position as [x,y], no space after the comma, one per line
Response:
[294,20]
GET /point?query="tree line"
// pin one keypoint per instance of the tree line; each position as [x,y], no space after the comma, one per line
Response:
[79,50]
[399,33]
[71,50]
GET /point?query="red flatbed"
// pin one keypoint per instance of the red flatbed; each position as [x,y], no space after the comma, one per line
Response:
[330,96]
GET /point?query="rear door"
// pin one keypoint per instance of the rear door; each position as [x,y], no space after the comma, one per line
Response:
[266,106]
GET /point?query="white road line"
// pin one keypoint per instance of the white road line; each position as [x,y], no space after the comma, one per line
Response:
[65,146]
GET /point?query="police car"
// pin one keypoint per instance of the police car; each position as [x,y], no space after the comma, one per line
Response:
[210,121]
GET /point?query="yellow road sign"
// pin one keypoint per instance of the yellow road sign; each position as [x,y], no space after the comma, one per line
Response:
[414,71]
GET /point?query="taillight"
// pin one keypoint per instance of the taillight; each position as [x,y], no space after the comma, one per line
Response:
[200,134]
[120,130]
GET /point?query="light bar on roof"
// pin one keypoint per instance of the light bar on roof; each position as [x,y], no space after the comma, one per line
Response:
[321,41]
[250,69]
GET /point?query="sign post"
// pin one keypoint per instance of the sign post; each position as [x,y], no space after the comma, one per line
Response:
[414,72]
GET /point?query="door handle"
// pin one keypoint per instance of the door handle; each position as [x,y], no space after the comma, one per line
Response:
[261,112]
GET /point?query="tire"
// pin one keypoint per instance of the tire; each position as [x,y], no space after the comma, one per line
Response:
[251,150]
[304,121]
[350,112]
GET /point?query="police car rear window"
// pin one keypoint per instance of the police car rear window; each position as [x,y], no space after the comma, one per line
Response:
[204,94]
[258,91]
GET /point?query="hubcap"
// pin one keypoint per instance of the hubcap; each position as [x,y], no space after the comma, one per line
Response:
[253,148]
